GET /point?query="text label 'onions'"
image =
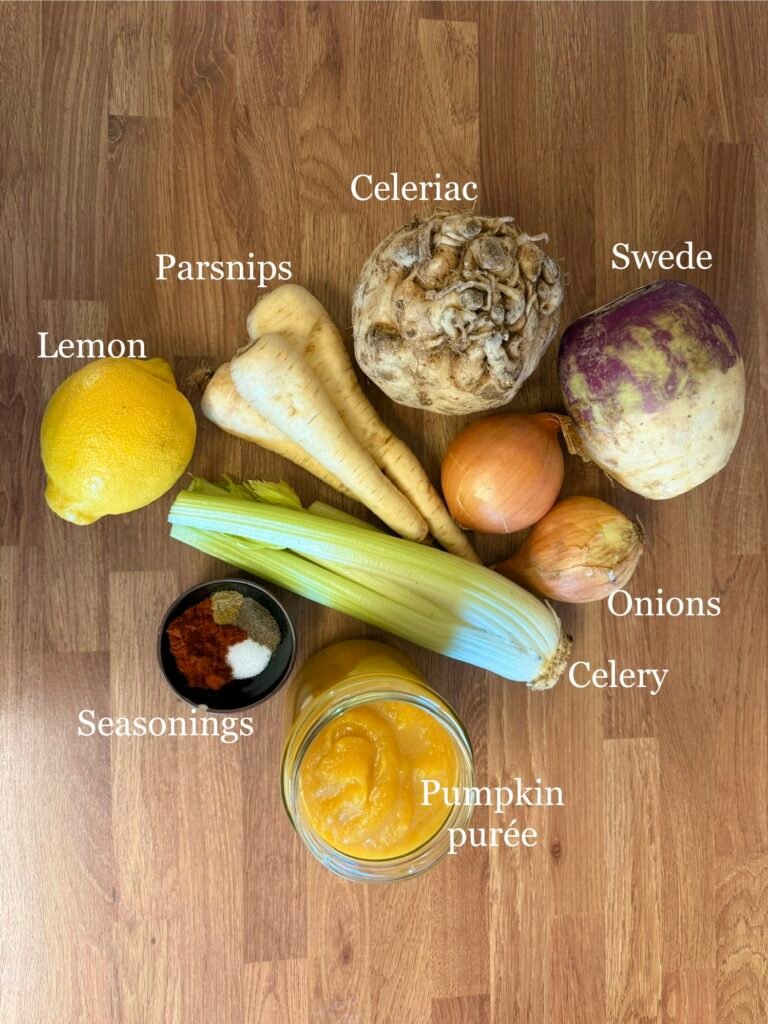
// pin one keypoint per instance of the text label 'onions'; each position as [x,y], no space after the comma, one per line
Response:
[502,473]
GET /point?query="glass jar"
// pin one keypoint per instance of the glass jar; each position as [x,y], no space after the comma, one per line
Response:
[346,677]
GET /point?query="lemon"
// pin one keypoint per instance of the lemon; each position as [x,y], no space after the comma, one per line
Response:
[115,436]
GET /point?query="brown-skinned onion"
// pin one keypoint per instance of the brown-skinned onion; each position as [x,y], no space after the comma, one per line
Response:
[583,550]
[503,473]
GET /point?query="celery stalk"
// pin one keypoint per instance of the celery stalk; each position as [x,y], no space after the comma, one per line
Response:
[324,587]
[412,587]
[495,602]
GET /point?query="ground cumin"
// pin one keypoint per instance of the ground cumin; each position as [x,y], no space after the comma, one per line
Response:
[200,646]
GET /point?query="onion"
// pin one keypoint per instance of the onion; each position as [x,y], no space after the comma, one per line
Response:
[654,383]
[582,550]
[503,473]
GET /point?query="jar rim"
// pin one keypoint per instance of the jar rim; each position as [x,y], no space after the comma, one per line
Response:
[326,709]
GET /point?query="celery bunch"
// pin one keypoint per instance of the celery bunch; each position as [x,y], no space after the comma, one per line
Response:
[421,594]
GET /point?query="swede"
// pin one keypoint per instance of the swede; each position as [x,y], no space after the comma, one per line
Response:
[654,383]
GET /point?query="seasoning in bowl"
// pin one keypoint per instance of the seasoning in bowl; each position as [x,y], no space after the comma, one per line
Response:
[223,638]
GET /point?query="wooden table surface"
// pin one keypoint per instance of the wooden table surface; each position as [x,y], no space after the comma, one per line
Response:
[159,881]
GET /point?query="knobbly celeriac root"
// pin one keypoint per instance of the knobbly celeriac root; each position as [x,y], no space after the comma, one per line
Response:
[452,313]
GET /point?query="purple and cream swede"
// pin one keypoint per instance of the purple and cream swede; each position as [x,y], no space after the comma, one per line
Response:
[654,383]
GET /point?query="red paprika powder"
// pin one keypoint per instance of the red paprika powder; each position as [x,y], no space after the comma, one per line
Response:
[200,646]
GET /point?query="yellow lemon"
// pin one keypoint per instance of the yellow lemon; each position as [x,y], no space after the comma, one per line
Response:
[115,436]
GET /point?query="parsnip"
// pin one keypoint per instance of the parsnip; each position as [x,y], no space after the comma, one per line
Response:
[275,378]
[223,405]
[302,320]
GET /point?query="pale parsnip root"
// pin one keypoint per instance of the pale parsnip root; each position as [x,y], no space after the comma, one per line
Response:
[303,321]
[273,377]
[223,405]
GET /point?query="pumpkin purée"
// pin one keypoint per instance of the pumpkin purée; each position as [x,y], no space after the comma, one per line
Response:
[360,778]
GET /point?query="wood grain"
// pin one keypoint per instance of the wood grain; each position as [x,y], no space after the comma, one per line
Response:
[158,881]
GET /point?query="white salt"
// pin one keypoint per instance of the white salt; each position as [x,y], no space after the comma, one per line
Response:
[248,659]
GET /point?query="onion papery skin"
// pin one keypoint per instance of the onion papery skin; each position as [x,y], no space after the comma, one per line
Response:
[503,473]
[583,550]
[654,383]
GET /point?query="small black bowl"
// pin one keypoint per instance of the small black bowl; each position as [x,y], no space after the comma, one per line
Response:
[240,694]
